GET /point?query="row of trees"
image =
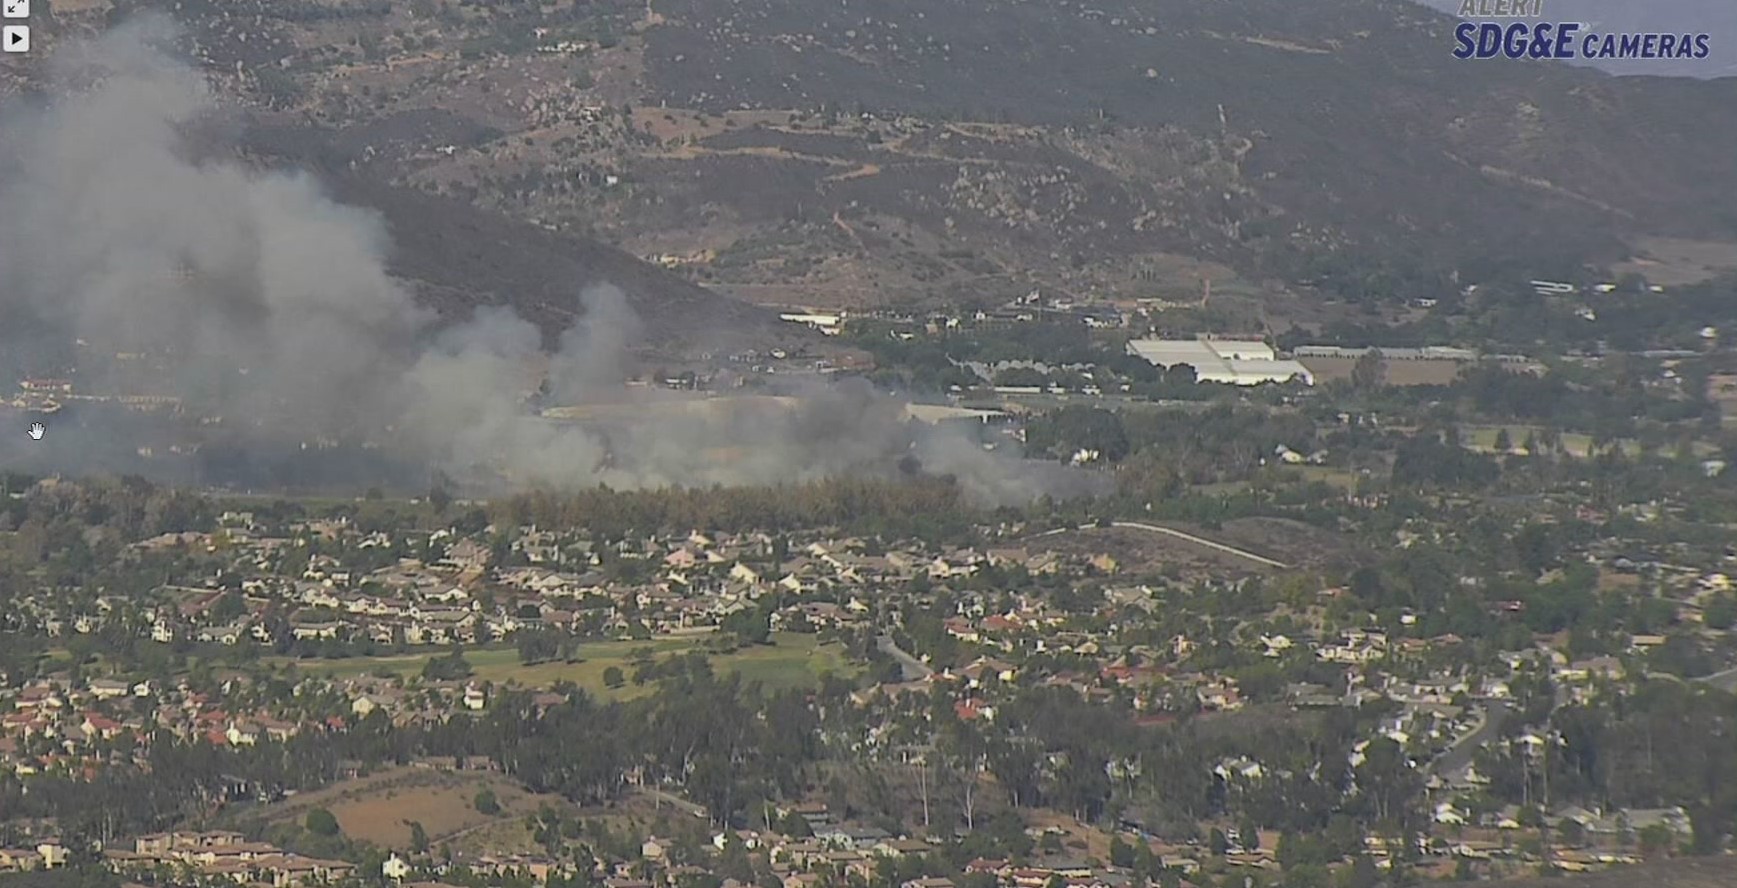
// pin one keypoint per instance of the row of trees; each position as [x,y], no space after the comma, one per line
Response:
[928,507]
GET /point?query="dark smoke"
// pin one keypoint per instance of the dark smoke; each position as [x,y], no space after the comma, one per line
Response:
[267,308]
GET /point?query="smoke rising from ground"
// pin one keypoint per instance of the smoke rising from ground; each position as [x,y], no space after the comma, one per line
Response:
[263,301]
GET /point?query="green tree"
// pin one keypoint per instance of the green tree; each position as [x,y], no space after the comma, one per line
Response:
[752,625]
[1655,840]
[321,822]
[613,677]
[452,667]
[1121,853]
[1721,612]
[418,838]
[1361,873]
[1249,835]
[1370,371]
[486,803]
[795,826]
[1217,843]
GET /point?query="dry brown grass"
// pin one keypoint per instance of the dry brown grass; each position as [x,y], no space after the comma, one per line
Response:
[1672,262]
[673,124]
[1398,372]
[379,808]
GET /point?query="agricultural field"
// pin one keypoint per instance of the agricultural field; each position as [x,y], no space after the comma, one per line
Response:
[792,660]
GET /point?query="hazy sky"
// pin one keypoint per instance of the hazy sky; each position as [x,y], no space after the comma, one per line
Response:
[1717,18]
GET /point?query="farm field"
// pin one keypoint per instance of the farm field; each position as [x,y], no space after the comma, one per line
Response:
[792,660]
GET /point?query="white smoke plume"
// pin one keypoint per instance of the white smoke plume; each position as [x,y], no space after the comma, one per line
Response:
[259,299]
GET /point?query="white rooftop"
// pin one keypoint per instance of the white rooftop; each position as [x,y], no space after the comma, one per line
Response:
[1231,361]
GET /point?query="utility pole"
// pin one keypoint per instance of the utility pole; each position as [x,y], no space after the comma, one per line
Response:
[923,783]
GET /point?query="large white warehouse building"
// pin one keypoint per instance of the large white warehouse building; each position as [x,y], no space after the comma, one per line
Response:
[1231,361]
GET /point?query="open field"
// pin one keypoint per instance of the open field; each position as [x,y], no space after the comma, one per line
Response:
[792,660]
[1483,439]
[1282,538]
[1398,372]
[1342,478]
[1138,548]
[1671,262]
[1139,551]
[378,807]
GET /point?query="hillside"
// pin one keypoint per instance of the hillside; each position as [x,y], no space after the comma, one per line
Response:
[1244,127]
[965,151]
[460,255]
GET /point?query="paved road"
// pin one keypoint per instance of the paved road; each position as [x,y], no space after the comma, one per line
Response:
[1460,754]
[914,669]
[669,799]
[1725,681]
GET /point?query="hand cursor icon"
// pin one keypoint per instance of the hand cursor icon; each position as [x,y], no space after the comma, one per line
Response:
[36,431]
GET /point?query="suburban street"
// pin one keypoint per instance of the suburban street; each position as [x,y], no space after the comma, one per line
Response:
[1725,681]
[914,669]
[1460,754]
[664,798]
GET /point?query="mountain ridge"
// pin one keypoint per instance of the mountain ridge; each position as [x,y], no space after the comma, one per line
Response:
[960,152]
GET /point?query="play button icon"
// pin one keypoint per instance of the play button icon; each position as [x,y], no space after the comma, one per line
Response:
[15,38]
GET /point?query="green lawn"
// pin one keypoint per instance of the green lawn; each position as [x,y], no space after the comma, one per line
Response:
[792,660]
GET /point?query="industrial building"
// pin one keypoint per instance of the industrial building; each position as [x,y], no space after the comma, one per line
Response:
[1227,361]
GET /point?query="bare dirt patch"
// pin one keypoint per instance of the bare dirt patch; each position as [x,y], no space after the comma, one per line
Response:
[1398,372]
